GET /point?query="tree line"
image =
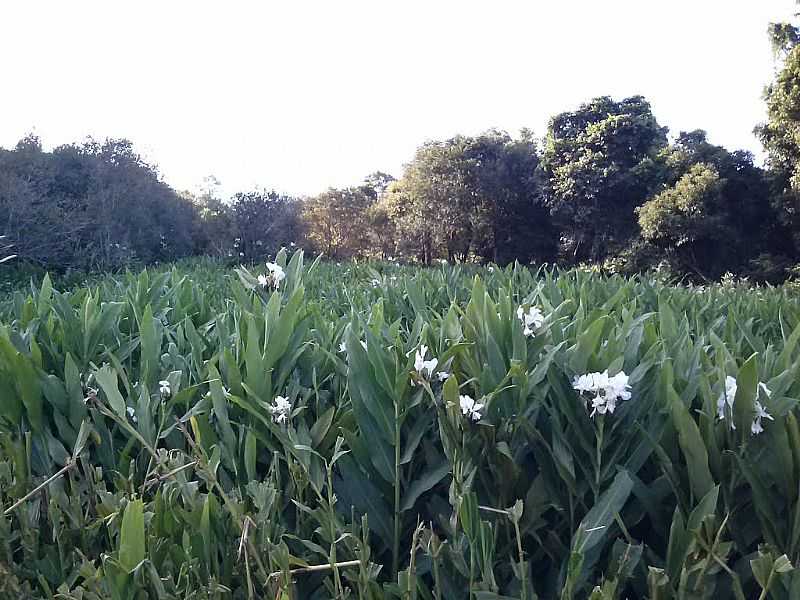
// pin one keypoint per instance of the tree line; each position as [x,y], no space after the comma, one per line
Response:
[605,185]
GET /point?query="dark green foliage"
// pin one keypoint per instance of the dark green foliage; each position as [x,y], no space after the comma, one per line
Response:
[472,198]
[597,167]
[712,203]
[264,223]
[89,206]
[781,138]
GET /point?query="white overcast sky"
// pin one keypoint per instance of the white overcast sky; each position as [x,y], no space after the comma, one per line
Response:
[300,95]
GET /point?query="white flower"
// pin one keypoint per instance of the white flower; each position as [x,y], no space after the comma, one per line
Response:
[376,282]
[281,409]
[590,382]
[619,387]
[531,320]
[132,414]
[342,347]
[443,376]
[761,413]
[263,280]
[276,274]
[490,268]
[470,408]
[422,366]
[729,396]
[606,391]
[163,387]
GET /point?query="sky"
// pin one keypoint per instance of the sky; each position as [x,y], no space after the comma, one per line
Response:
[301,95]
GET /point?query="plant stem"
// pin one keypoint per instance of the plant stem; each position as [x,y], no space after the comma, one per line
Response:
[471,569]
[437,584]
[41,486]
[763,595]
[337,580]
[598,457]
[160,478]
[396,541]
[317,568]
[522,568]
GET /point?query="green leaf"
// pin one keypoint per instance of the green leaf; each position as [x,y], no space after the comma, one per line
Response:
[106,377]
[587,343]
[83,436]
[691,444]
[150,347]
[322,425]
[426,481]
[131,538]
[250,449]
[595,525]
[746,390]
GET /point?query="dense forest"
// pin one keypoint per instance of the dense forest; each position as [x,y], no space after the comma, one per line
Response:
[605,185]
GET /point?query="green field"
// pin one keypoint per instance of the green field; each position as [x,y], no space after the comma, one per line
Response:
[201,435]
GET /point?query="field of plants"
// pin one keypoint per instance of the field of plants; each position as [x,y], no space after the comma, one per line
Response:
[313,431]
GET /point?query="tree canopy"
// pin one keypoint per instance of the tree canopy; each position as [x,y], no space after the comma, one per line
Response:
[597,167]
[94,205]
[605,185]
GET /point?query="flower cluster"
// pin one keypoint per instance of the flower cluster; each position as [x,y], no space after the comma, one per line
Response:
[532,319]
[729,396]
[470,408]
[281,409]
[422,366]
[604,391]
[276,275]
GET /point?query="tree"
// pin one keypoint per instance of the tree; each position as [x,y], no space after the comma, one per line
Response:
[473,197]
[712,212]
[264,222]
[337,221]
[382,229]
[435,184]
[378,182]
[95,205]
[597,166]
[34,224]
[411,220]
[215,232]
[136,216]
[780,135]
[686,219]
[510,221]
